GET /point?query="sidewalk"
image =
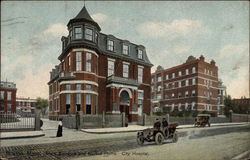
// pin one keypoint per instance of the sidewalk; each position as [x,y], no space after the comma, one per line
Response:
[21,134]
[135,128]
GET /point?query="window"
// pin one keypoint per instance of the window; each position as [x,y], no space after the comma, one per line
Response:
[96,37]
[187,82]
[139,53]
[64,66]
[167,76]
[140,74]
[89,34]
[68,98]
[172,94]
[67,86]
[9,107]
[186,93]
[193,105]
[1,107]
[172,107]
[2,95]
[69,62]
[88,103]
[140,94]
[158,88]
[125,49]
[159,79]
[125,70]
[78,87]
[173,75]
[78,61]
[179,73]
[78,101]
[70,35]
[111,67]
[88,62]
[193,70]
[186,106]
[152,80]
[193,81]
[88,87]
[193,93]
[179,107]
[9,96]
[158,96]
[78,33]
[179,84]
[110,45]
[186,71]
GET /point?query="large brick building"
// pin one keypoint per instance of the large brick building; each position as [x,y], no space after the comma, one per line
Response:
[8,97]
[99,73]
[192,85]
[25,105]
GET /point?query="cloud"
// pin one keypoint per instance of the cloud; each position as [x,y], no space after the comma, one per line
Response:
[99,17]
[173,30]
[234,50]
[56,30]
[237,83]
[34,85]
[235,72]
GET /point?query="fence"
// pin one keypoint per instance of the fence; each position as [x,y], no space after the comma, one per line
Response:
[240,117]
[149,120]
[91,121]
[15,122]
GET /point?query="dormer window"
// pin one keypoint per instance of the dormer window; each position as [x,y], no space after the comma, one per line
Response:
[96,37]
[70,35]
[125,49]
[139,53]
[110,45]
[78,32]
[89,34]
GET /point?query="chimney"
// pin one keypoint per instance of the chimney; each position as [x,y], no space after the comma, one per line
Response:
[202,58]
[212,62]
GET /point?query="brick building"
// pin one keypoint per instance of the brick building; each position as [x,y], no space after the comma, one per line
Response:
[25,105]
[8,97]
[242,101]
[99,73]
[192,85]
[222,93]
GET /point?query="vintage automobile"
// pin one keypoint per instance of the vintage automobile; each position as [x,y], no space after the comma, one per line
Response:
[202,120]
[158,135]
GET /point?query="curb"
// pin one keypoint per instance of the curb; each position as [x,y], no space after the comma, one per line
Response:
[93,132]
[19,137]
[244,155]
[110,132]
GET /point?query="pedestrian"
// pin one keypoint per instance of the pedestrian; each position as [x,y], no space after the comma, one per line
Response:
[60,128]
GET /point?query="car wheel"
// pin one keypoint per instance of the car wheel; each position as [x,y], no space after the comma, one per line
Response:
[159,138]
[175,138]
[140,140]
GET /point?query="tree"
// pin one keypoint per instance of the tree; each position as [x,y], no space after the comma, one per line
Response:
[42,104]
[228,105]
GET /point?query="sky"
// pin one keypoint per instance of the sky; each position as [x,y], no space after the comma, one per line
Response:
[170,30]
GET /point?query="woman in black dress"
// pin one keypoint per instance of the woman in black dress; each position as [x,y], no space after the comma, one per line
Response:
[60,129]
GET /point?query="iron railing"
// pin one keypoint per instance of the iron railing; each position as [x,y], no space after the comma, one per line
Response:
[13,121]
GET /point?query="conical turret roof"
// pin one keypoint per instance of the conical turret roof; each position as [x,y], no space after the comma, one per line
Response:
[83,16]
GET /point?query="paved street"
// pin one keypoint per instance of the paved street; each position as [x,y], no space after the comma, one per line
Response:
[77,145]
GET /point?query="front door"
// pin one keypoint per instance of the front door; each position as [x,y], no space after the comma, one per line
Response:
[125,109]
